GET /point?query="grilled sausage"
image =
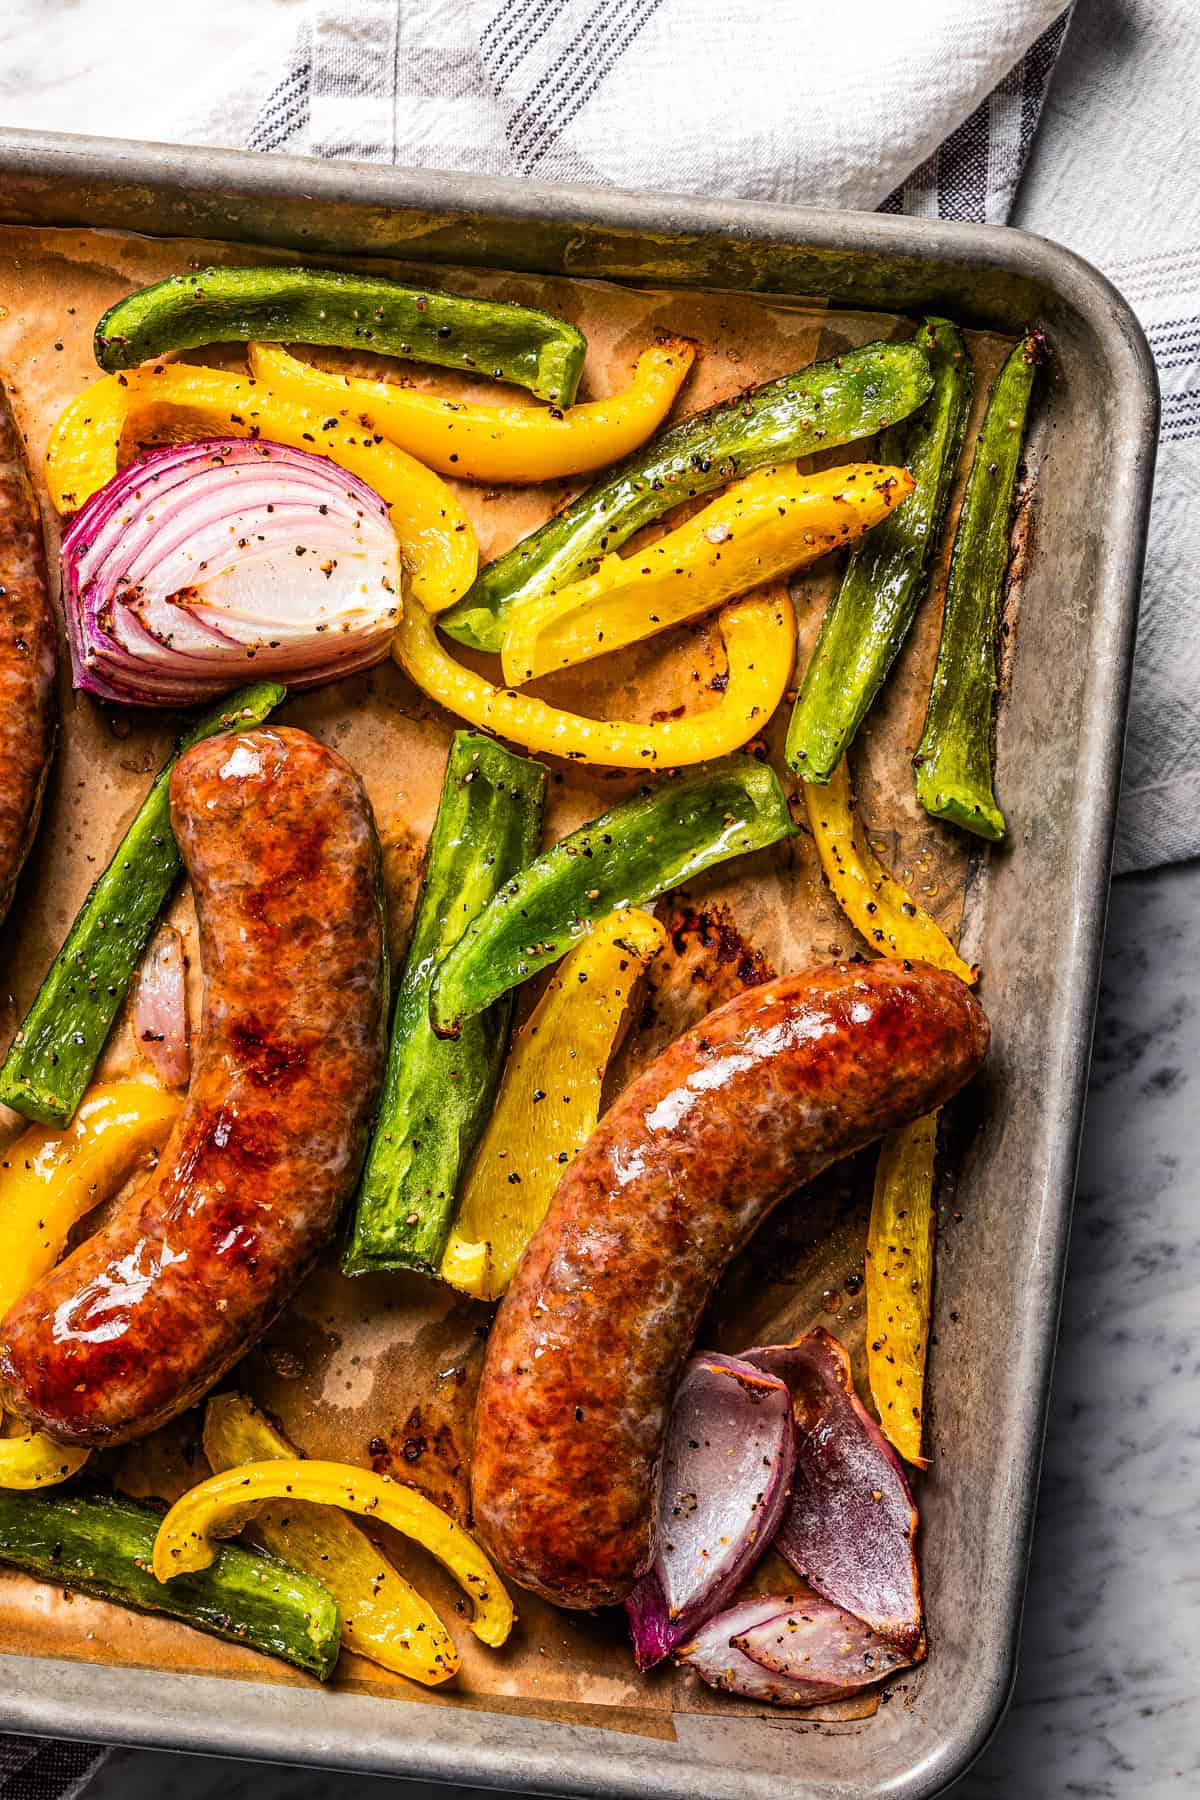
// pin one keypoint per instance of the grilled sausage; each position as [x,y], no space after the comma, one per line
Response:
[583,1357]
[28,717]
[278,838]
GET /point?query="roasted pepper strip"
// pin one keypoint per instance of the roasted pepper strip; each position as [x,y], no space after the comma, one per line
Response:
[58,1043]
[954,757]
[436,1094]
[826,404]
[383,1616]
[874,902]
[48,1181]
[763,528]
[101,1544]
[491,443]
[435,536]
[886,575]
[548,1104]
[667,835]
[223,1505]
[359,312]
[900,1282]
[760,642]
[36,1460]
[85,442]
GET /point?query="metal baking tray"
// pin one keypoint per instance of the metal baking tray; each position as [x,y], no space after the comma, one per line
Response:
[1035,918]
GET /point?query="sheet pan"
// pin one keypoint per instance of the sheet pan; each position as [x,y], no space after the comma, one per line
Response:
[1035,918]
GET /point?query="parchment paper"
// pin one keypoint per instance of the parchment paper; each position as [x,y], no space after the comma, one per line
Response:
[382,1370]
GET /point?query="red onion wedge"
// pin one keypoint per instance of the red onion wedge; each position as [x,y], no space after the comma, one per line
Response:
[202,563]
[850,1524]
[716,1658]
[159,1010]
[726,1469]
[816,1641]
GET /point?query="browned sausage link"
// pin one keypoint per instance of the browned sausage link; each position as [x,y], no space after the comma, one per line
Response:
[582,1360]
[27,657]
[280,845]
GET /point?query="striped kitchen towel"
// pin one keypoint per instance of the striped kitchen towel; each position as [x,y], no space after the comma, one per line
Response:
[925,108]
[929,108]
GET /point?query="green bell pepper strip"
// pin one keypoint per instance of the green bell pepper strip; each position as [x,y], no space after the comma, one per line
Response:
[437,1094]
[359,312]
[826,404]
[102,1544]
[877,597]
[666,835]
[58,1044]
[954,758]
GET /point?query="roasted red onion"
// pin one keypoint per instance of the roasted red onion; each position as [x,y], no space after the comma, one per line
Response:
[848,1529]
[815,1641]
[159,1009]
[726,1469]
[715,1656]
[201,564]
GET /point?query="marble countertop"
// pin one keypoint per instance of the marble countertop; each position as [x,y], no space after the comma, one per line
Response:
[1107,1704]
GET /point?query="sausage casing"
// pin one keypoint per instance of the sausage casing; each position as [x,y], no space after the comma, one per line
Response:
[582,1360]
[28,716]
[279,841]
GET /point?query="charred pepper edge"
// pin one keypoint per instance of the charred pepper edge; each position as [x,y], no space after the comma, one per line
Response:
[954,759]
[404,1208]
[504,341]
[887,574]
[504,946]
[103,1544]
[61,1037]
[825,404]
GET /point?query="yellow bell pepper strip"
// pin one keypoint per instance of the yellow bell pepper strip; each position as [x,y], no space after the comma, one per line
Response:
[48,1181]
[384,1618]
[900,1282]
[491,443]
[84,444]
[223,1505]
[877,905]
[549,1102]
[901,1232]
[36,1460]
[840,401]
[435,536]
[760,642]
[759,530]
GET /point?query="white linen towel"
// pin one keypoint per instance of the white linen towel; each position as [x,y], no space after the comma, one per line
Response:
[746,98]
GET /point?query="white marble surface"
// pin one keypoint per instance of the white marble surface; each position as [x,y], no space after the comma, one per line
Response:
[1106,1706]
